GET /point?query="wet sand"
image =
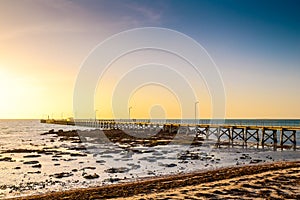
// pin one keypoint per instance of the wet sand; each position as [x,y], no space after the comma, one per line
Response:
[278,180]
[277,184]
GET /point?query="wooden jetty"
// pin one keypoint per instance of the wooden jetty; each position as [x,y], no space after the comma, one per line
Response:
[259,135]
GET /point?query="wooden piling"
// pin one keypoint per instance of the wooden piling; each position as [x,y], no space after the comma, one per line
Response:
[238,133]
[288,135]
[224,131]
[260,134]
[212,130]
[266,135]
[254,135]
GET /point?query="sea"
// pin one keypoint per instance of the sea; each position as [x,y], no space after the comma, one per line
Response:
[32,163]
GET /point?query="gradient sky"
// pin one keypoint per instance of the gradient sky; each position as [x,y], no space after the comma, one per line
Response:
[255,44]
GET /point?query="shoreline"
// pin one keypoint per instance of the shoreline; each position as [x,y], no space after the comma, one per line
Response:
[160,184]
[80,160]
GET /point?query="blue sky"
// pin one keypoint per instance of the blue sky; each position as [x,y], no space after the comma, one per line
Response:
[255,44]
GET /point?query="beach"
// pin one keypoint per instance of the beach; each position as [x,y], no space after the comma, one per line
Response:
[152,99]
[39,159]
[278,180]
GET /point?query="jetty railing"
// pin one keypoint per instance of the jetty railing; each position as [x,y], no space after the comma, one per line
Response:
[263,133]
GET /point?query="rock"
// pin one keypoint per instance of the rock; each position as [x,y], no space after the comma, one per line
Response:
[37,166]
[76,141]
[245,156]
[37,172]
[31,156]
[49,132]
[3,187]
[112,180]
[23,151]
[150,173]
[78,155]
[7,159]
[61,175]
[117,170]
[106,156]
[269,157]
[72,133]
[157,153]
[68,159]
[255,161]
[133,167]
[189,155]
[171,165]
[79,148]
[101,161]
[48,153]
[92,168]
[31,162]
[91,176]
[184,161]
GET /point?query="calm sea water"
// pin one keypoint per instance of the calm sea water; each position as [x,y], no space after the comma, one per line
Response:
[25,132]
[250,122]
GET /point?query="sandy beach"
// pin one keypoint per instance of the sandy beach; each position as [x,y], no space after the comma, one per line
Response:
[277,184]
[128,99]
[73,164]
[278,180]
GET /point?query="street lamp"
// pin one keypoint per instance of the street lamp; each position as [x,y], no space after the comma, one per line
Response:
[96,115]
[196,110]
[129,110]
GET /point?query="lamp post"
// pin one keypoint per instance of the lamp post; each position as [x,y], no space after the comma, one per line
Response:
[129,111]
[196,110]
[95,123]
[96,115]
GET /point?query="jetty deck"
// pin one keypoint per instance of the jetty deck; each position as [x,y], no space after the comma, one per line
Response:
[261,134]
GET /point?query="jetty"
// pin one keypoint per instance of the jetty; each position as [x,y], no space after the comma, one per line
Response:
[260,133]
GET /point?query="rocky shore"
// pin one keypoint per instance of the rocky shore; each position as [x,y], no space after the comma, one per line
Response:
[64,160]
[278,180]
[148,139]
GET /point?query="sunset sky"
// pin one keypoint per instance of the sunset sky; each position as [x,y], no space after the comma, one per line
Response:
[255,45]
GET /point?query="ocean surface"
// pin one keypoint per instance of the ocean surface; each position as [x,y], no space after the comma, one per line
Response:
[32,163]
[249,122]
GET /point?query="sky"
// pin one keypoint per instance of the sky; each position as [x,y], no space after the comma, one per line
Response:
[254,44]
